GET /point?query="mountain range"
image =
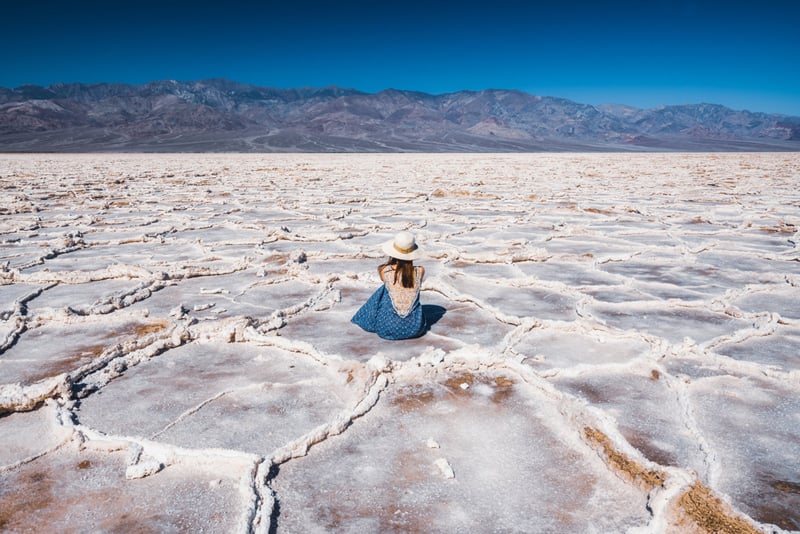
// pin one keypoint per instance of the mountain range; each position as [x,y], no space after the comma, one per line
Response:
[223,115]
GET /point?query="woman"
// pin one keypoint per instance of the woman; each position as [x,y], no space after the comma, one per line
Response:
[394,311]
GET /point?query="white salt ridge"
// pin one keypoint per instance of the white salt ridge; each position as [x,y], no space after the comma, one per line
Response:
[193,313]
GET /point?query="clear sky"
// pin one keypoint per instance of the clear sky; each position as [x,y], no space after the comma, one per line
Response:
[645,53]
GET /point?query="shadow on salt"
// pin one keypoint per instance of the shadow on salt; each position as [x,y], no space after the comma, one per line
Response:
[451,326]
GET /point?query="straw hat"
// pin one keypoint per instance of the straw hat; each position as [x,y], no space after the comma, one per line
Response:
[402,247]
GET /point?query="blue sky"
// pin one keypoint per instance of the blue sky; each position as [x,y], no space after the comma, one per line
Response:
[643,53]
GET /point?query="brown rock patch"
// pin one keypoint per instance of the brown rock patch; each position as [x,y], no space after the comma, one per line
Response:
[700,506]
[643,477]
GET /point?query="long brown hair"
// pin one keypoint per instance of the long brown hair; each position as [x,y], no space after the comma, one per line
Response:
[404,268]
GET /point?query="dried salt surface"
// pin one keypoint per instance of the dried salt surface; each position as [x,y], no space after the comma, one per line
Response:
[92,294]
[550,351]
[777,300]
[72,490]
[497,461]
[674,324]
[753,428]
[778,349]
[647,410]
[40,423]
[221,395]
[611,336]
[65,344]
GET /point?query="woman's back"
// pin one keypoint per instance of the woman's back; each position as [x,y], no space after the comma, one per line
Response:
[403,297]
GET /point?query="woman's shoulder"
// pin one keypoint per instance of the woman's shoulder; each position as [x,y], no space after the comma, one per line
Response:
[384,269]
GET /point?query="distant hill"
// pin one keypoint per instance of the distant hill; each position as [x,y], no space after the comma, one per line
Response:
[222,115]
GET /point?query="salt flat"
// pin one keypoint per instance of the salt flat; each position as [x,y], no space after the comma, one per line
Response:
[614,344]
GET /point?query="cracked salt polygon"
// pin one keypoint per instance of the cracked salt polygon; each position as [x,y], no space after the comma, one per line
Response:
[673,321]
[502,451]
[779,348]
[233,396]
[758,472]
[519,301]
[573,274]
[780,300]
[652,416]
[565,347]
[80,296]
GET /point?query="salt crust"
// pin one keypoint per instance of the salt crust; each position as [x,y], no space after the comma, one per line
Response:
[559,278]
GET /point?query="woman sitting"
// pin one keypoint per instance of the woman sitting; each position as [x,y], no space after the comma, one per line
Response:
[394,311]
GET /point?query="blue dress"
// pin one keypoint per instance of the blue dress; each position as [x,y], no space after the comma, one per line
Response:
[393,312]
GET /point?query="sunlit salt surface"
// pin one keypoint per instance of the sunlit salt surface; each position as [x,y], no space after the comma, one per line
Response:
[614,344]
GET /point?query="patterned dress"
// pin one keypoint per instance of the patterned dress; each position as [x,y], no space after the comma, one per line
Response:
[393,311]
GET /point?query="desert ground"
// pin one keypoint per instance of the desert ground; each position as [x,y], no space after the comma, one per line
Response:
[614,344]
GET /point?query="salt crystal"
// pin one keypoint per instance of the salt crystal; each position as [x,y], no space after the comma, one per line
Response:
[143,469]
[444,467]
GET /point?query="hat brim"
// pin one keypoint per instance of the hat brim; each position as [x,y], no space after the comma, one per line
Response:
[388,248]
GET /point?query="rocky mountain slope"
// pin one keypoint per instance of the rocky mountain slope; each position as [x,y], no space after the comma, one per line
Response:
[222,115]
